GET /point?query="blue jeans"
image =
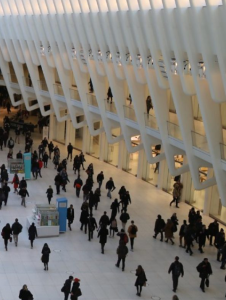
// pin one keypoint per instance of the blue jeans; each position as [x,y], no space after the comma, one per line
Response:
[109,193]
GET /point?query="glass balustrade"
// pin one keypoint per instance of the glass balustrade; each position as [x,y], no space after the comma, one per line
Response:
[199,141]
[92,100]
[110,107]
[13,78]
[27,81]
[58,90]
[75,95]
[150,121]
[174,131]
[129,113]
[42,85]
[223,151]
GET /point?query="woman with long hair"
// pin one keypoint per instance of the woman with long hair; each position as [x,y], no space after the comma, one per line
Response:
[45,256]
[141,279]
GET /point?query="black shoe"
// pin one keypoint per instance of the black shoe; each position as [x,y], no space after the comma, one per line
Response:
[191,253]
[154,237]
[174,291]
[117,266]
[177,207]
[203,290]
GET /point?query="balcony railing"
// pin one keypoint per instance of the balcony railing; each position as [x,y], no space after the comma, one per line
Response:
[1,77]
[42,85]
[129,113]
[13,78]
[223,151]
[27,81]
[199,141]
[58,89]
[150,121]
[75,95]
[174,131]
[110,107]
[92,100]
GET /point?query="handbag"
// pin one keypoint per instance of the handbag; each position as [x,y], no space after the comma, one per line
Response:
[63,289]
[78,293]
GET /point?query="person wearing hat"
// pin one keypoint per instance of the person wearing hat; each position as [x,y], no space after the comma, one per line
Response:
[66,289]
[75,291]
[49,193]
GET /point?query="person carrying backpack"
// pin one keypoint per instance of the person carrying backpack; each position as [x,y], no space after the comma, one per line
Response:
[10,143]
[124,218]
[132,230]
[177,269]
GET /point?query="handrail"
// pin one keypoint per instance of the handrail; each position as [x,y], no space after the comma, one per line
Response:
[74,94]
[110,106]
[129,113]
[174,130]
[200,141]
[150,121]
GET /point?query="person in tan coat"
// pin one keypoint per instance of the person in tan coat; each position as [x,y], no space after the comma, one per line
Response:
[132,230]
[168,229]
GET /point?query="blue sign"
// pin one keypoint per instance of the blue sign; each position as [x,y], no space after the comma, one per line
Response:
[27,165]
[62,209]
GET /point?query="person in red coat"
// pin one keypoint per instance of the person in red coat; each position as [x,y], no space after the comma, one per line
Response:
[15,182]
[40,165]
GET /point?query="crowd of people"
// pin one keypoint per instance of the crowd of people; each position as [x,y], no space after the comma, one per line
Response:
[113,223]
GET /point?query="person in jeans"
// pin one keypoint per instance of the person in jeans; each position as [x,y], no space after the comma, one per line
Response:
[124,218]
[177,270]
[110,186]
[132,230]
[16,230]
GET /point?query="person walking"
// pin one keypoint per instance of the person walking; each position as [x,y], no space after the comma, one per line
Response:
[32,234]
[23,193]
[6,235]
[104,220]
[25,294]
[49,193]
[202,238]
[213,230]
[45,159]
[219,243]
[159,226]
[124,218]
[100,179]
[177,188]
[69,151]
[6,190]
[17,134]
[205,270]
[70,216]
[114,209]
[58,180]
[182,233]
[66,289]
[188,237]
[110,186]
[132,230]
[15,182]
[82,159]
[84,219]
[75,291]
[122,251]
[92,225]
[168,229]
[45,256]
[113,228]
[16,230]
[177,270]
[11,143]
[102,234]
[149,104]
[141,279]
[109,95]
[78,183]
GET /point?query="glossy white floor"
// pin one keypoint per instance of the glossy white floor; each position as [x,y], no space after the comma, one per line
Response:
[72,254]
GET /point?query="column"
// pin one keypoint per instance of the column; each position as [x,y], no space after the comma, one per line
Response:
[208,193]
[162,177]
[51,126]
[85,139]
[140,163]
[120,154]
[102,146]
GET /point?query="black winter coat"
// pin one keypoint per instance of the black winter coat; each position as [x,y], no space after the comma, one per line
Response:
[103,233]
[45,255]
[32,232]
[25,295]
[84,217]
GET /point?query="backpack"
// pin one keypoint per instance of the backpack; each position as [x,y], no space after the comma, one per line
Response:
[177,269]
[133,230]
[125,238]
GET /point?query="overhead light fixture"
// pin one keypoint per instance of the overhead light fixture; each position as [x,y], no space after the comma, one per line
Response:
[73,53]
[150,62]
[99,56]
[118,59]
[42,50]
[174,66]
[91,54]
[202,69]
[139,61]
[108,56]
[128,58]
[187,67]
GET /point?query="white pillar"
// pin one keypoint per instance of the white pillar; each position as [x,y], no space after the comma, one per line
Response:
[208,193]
[140,164]
[51,127]
[102,146]
[120,153]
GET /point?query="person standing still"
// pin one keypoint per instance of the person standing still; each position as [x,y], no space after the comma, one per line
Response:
[69,151]
[45,256]
[16,230]
[132,230]
[205,270]
[177,269]
[67,287]
[32,234]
